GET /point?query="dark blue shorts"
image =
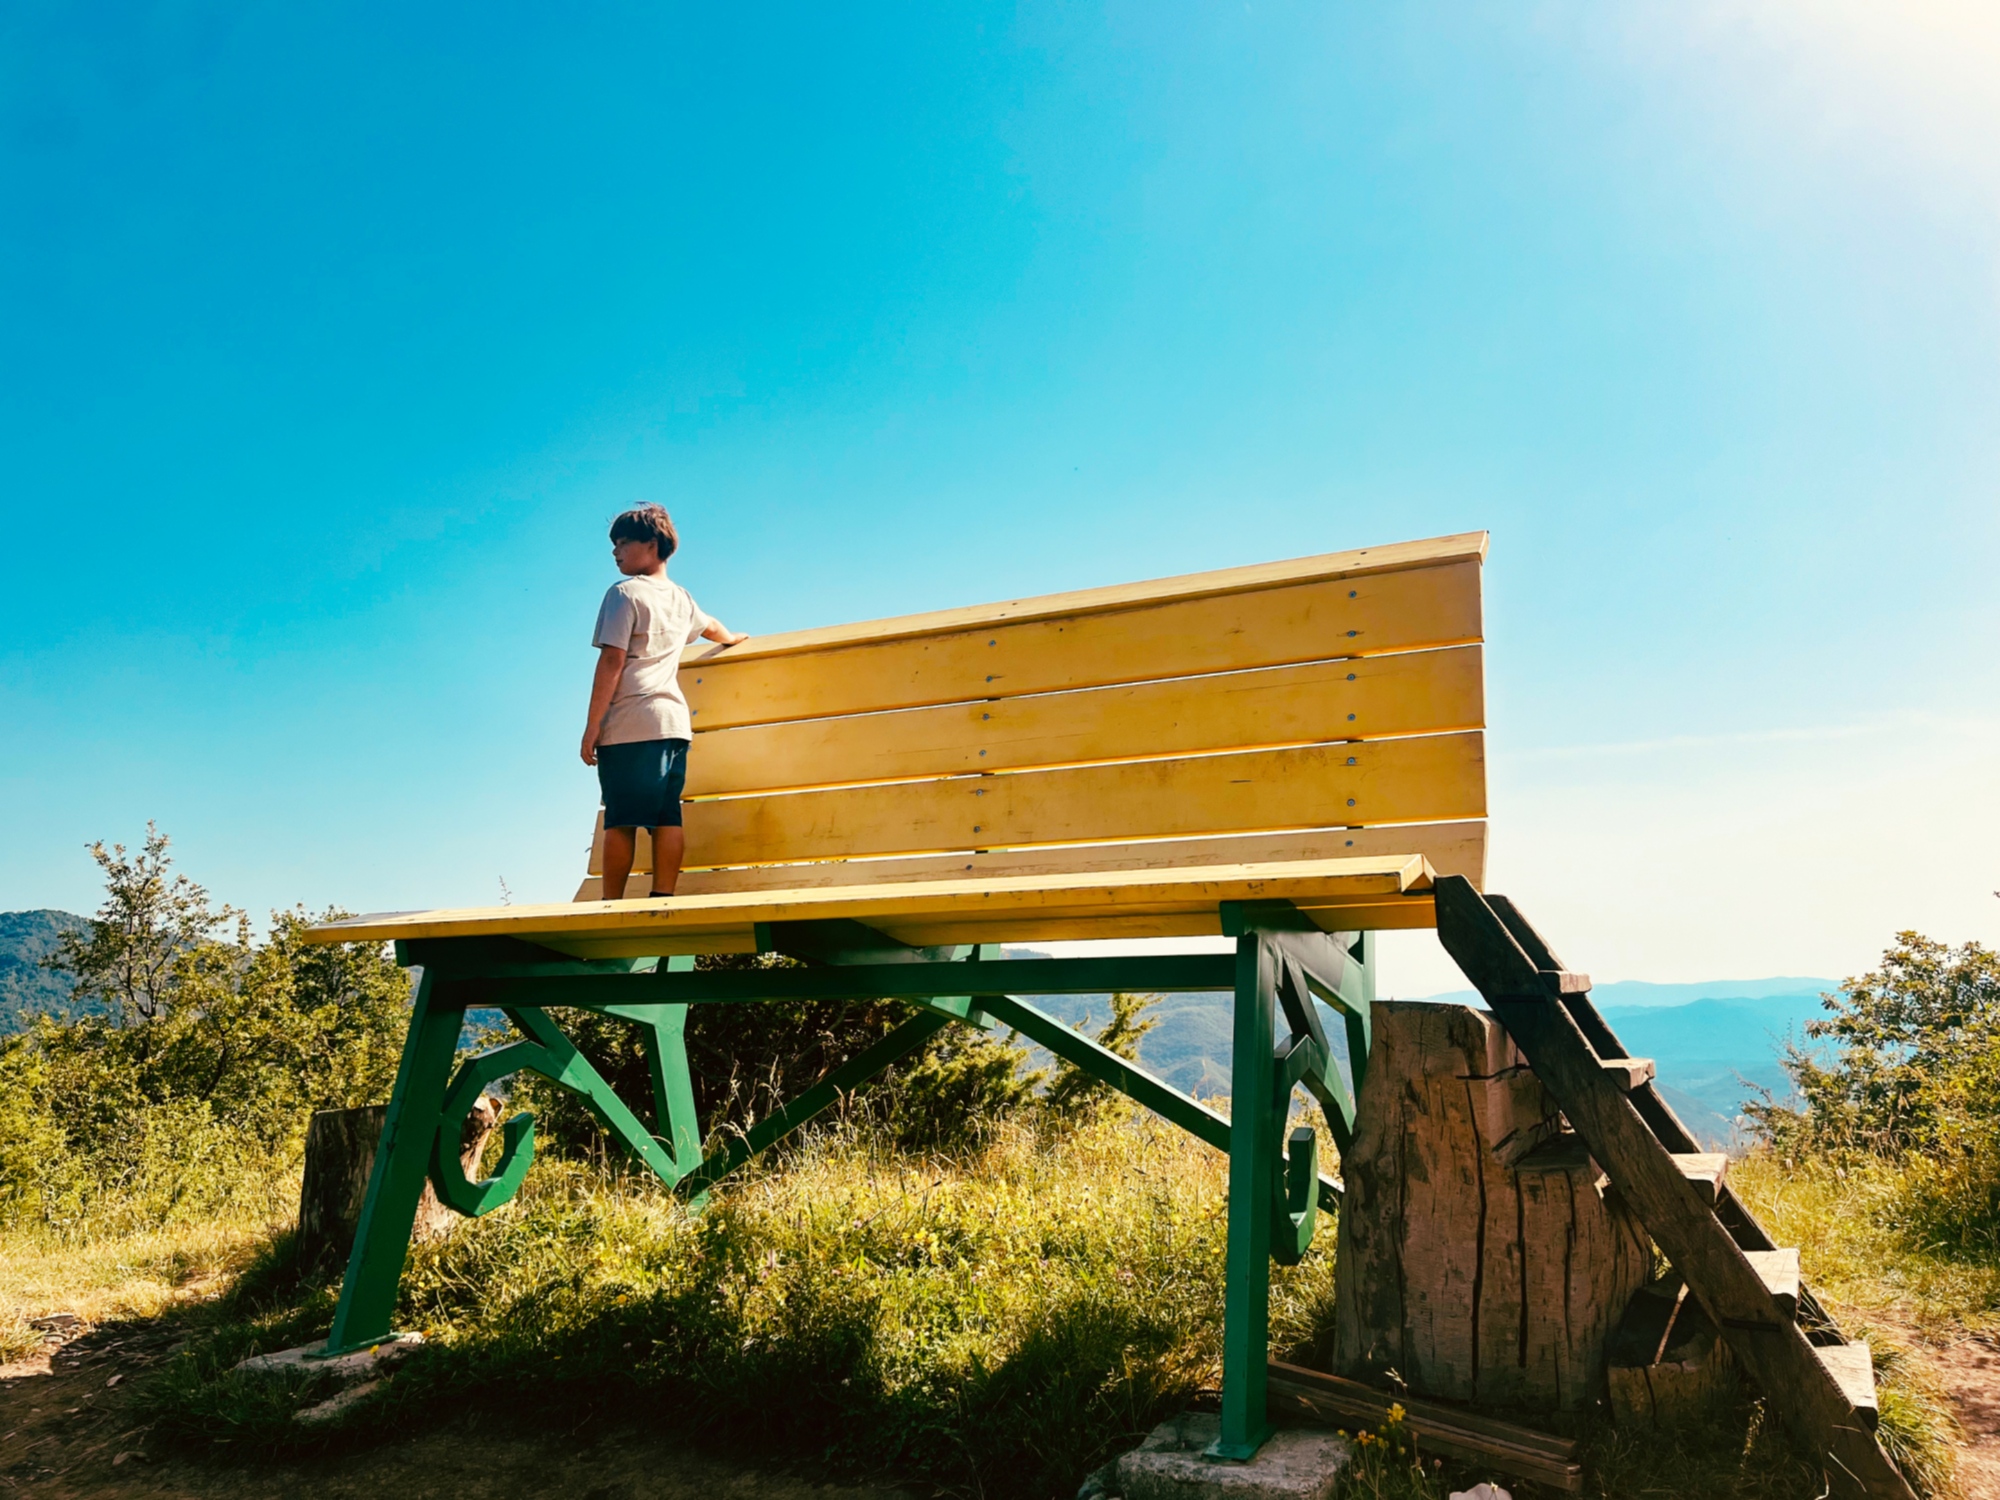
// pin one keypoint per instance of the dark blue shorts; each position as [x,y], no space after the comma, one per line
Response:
[642,783]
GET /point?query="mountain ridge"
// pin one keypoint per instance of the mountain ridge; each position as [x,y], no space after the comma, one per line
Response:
[28,990]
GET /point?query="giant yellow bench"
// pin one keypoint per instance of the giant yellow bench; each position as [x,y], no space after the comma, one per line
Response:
[1289,755]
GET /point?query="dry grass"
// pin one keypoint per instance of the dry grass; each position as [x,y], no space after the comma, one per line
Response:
[1841,1219]
[135,1274]
[1905,1299]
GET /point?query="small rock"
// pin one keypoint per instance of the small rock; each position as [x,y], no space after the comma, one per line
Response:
[58,1328]
[1482,1491]
[327,1410]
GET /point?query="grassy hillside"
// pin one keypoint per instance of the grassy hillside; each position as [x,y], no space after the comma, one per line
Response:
[27,989]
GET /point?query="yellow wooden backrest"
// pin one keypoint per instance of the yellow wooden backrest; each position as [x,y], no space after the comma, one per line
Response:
[1305,704]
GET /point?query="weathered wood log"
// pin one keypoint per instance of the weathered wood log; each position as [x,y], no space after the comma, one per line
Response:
[1482,1255]
[340,1154]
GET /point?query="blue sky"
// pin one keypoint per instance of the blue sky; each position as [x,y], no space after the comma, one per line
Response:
[333,337]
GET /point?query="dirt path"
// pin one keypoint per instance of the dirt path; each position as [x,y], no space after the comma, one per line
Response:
[1970,1370]
[67,1433]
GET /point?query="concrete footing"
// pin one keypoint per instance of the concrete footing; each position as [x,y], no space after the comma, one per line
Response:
[363,1364]
[1298,1464]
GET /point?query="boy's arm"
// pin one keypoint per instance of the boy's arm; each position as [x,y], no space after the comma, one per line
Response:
[721,634]
[610,666]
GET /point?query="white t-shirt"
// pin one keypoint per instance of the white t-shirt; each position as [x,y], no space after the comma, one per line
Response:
[651,617]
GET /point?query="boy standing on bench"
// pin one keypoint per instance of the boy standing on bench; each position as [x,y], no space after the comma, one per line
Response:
[639,730]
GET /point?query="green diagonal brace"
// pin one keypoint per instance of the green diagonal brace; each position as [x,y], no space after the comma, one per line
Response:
[815,1101]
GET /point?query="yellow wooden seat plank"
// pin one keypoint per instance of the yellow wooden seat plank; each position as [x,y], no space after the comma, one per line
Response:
[1419,692]
[692,923]
[1380,612]
[1423,779]
[1455,848]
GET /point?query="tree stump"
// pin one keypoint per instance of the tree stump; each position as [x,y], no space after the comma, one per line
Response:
[340,1155]
[1481,1254]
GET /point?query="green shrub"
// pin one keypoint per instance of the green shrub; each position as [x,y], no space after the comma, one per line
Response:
[193,1086]
[1911,1077]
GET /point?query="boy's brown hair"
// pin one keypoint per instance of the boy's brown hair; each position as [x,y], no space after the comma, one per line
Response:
[648,523]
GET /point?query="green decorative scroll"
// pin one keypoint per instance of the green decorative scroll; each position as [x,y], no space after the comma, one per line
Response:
[554,1056]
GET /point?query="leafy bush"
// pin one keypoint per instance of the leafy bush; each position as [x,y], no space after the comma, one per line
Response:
[1906,1042]
[193,1087]
[1912,1078]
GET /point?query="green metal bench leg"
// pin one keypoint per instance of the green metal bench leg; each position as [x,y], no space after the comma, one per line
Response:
[1253,1164]
[402,1162]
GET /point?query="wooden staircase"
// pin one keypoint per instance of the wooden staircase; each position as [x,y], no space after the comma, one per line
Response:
[1819,1384]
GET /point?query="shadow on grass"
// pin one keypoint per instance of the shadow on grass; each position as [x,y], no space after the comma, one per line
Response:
[814,1385]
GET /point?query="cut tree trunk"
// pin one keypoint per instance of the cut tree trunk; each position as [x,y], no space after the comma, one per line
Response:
[340,1154]
[1481,1255]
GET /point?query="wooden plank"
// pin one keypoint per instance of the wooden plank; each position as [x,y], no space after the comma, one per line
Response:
[1318,883]
[1780,1271]
[1424,779]
[1301,622]
[1629,1072]
[1853,1366]
[1441,1431]
[1771,1348]
[1457,848]
[1356,563]
[1704,1171]
[1414,692]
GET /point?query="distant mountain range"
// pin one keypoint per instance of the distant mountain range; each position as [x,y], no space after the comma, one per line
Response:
[1713,1044]
[27,989]
[1636,994]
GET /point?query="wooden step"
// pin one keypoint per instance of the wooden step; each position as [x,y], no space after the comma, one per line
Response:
[1629,1073]
[1780,1272]
[1823,1394]
[1853,1367]
[1704,1170]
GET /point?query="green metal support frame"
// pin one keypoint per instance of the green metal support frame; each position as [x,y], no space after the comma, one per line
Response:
[1282,961]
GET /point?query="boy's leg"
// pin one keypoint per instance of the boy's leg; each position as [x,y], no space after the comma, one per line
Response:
[618,846]
[669,848]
